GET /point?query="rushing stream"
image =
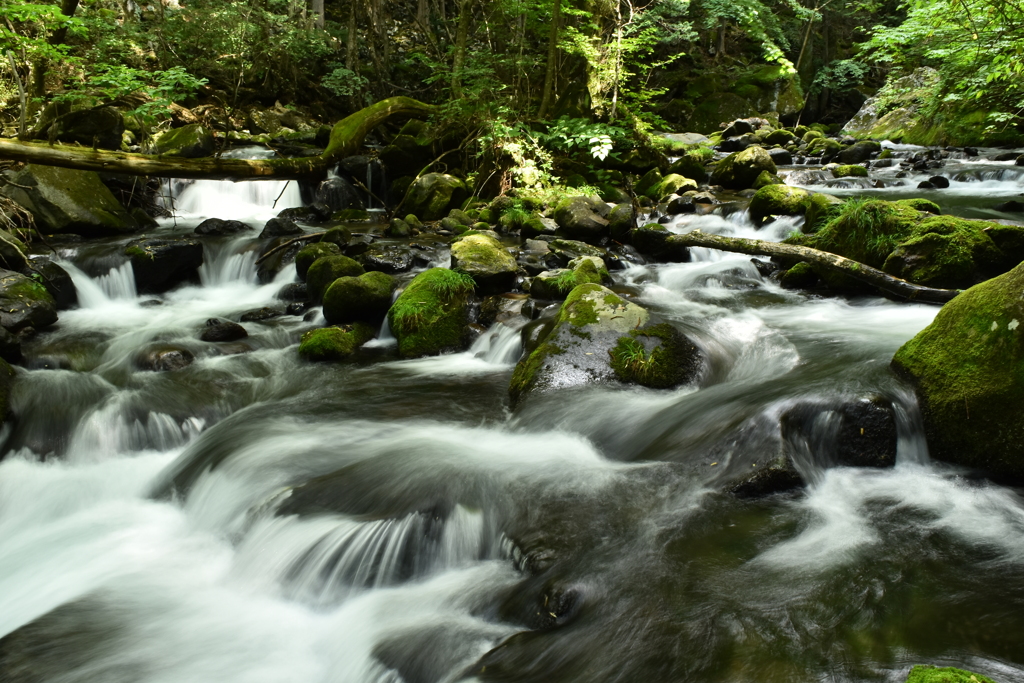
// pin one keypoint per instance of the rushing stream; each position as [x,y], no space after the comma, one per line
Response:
[254,518]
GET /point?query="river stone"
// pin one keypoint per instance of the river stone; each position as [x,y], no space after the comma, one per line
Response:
[160,264]
[190,141]
[483,258]
[336,343]
[222,331]
[280,227]
[310,253]
[599,336]
[314,213]
[849,171]
[858,152]
[257,315]
[431,316]
[433,195]
[57,282]
[854,433]
[219,227]
[580,218]
[163,358]
[388,258]
[366,297]
[557,284]
[967,368]
[24,302]
[338,194]
[738,171]
[326,270]
[621,220]
[63,200]
[101,127]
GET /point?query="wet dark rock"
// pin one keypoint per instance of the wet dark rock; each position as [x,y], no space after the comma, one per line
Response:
[580,218]
[737,144]
[1011,206]
[858,152]
[280,227]
[272,263]
[57,282]
[260,314]
[220,227]
[314,213]
[10,347]
[296,308]
[391,258]
[940,182]
[925,185]
[338,194]
[24,303]
[222,331]
[738,127]
[970,151]
[161,264]
[293,291]
[1006,156]
[163,358]
[857,433]
[781,157]
[100,126]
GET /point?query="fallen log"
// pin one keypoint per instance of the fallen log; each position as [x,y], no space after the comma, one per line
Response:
[346,139]
[872,276]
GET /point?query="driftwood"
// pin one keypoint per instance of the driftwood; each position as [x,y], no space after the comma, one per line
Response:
[872,276]
[288,243]
[346,139]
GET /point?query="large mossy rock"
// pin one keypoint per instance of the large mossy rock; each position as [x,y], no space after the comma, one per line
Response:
[336,343]
[366,297]
[483,258]
[580,218]
[968,371]
[431,316]
[785,200]
[191,141]
[557,284]
[63,200]
[433,195]
[935,251]
[160,264]
[325,270]
[99,126]
[24,303]
[946,674]
[740,170]
[599,336]
[858,152]
[308,255]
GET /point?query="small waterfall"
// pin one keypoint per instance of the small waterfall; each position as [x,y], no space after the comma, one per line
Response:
[119,283]
[500,345]
[228,264]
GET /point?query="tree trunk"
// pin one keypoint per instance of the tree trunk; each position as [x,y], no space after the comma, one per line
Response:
[872,276]
[21,94]
[39,69]
[346,139]
[549,72]
[461,38]
[350,39]
[319,17]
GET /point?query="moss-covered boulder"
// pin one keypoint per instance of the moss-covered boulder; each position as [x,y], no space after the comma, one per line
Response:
[431,316]
[310,253]
[190,141]
[764,179]
[556,284]
[778,200]
[433,195]
[621,220]
[580,218]
[483,258]
[672,183]
[691,164]
[739,170]
[780,136]
[935,251]
[967,368]
[946,674]
[326,270]
[849,171]
[334,343]
[858,152]
[366,297]
[656,356]
[63,200]
[826,148]
[24,302]
[587,337]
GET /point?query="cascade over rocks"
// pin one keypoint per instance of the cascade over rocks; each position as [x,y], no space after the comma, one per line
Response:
[62,200]
[967,369]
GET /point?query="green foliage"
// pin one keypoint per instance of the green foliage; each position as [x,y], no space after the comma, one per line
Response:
[840,75]
[567,135]
[114,82]
[343,82]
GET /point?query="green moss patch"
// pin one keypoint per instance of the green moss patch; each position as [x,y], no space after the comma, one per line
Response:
[334,343]
[948,674]
[655,356]
[430,316]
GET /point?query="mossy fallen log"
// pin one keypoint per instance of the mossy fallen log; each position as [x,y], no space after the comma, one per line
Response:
[346,139]
[894,286]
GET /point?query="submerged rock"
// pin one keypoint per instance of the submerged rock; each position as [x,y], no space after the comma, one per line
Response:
[967,368]
[431,315]
[485,259]
[63,200]
[160,264]
[24,302]
[334,343]
[222,331]
[599,336]
[163,358]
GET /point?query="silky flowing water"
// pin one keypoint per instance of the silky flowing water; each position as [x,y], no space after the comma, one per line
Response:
[255,518]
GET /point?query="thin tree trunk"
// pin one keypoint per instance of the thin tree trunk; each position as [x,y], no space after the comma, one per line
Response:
[350,39]
[346,139]
[461,38]
[822,259]
[22,99]
[618,58]
[549,72]
[319,16]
